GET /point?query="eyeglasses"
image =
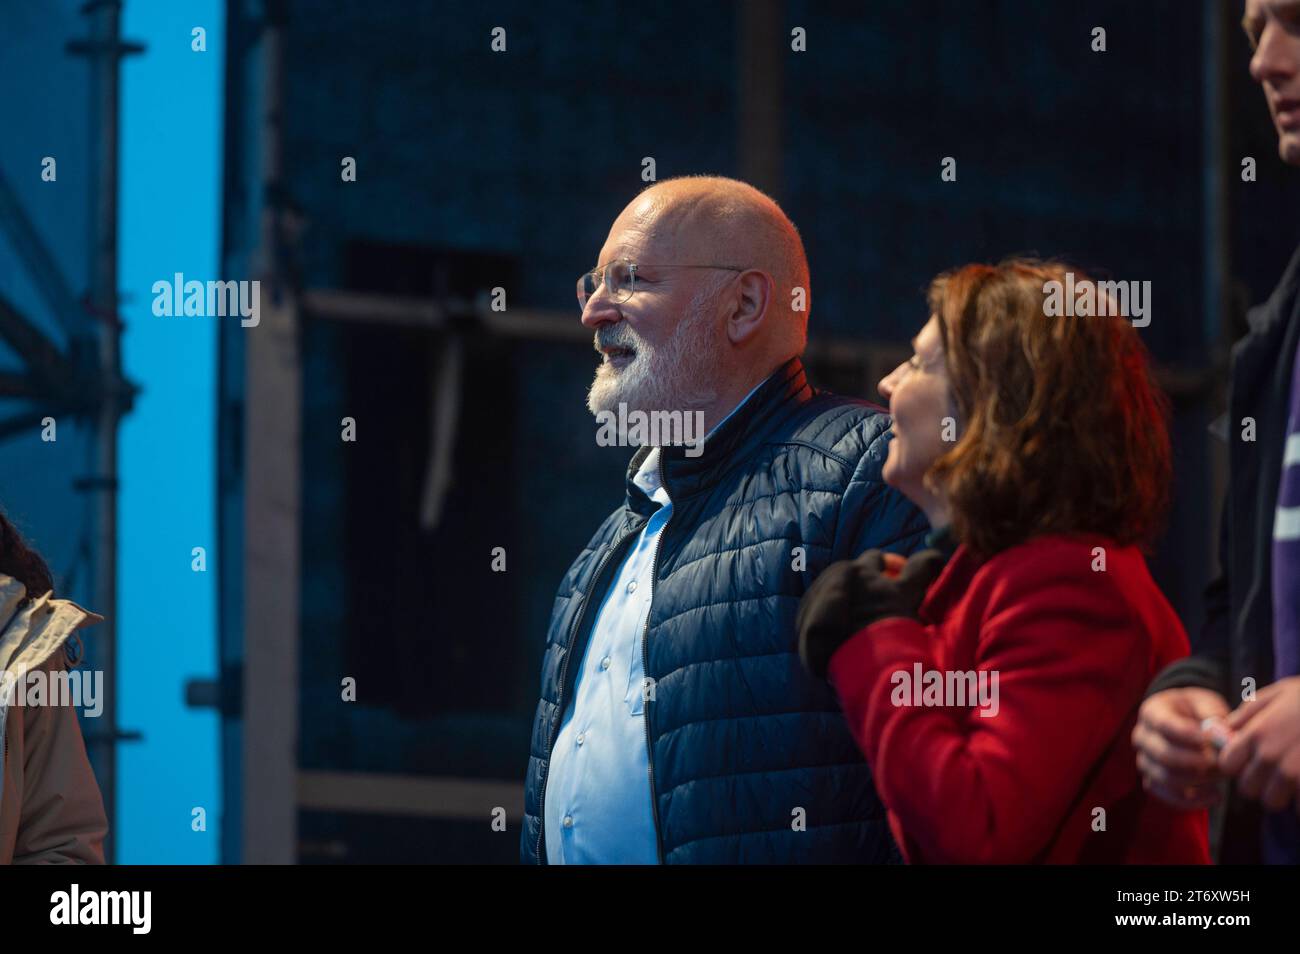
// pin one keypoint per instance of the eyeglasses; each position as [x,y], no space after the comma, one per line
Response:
[619,277]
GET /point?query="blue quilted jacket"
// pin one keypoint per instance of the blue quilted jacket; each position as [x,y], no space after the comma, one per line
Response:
[750,758]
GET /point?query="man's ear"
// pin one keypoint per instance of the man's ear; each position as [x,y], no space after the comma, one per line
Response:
[753,296]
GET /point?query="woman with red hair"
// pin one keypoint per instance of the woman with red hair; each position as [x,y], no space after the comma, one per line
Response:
[992,681]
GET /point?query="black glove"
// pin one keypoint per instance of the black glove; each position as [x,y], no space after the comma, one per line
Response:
[851,594]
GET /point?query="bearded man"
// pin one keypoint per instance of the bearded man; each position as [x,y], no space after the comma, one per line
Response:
[676,724]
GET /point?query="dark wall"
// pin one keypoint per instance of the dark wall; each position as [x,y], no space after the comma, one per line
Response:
[478,169]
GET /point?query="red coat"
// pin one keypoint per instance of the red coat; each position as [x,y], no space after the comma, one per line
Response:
[1073,650]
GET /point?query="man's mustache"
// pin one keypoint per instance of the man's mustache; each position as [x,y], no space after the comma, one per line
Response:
[616,339]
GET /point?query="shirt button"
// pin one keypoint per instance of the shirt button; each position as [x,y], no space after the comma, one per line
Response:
[631,587]
[568,821]
[604,663]
[581,738]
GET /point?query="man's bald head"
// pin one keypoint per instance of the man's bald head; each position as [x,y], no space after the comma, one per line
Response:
[709,311]
[720,221]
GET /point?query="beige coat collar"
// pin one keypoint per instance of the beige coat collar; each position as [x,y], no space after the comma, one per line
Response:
[29,635]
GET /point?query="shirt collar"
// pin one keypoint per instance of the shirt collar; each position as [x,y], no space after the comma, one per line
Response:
[687,471]
[647,476]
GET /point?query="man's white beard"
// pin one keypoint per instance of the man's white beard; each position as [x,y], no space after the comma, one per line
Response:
[680,376]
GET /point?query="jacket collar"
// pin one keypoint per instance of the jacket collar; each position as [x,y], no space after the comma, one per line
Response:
[1271,318]
[31,631]
[1262,369]
[951,585]
[683,476]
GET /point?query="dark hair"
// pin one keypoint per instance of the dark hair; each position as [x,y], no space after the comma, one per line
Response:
[21,562]
[1064,427]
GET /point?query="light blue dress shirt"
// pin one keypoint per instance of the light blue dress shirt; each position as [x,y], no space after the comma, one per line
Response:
[597,803]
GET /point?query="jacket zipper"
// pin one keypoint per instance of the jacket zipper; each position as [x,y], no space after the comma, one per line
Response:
[645,669]
[559,700]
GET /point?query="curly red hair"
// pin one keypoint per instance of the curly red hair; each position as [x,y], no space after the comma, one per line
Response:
[1063,429]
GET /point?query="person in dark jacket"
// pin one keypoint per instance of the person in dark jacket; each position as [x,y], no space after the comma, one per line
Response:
[993,694]
[675,723]
[1232,710]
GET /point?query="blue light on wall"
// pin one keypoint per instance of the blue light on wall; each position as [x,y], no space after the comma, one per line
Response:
[170,222]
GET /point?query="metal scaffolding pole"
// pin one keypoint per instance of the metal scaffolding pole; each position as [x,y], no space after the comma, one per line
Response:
[1216,270]
[105,50]
[272,506]
[760,84]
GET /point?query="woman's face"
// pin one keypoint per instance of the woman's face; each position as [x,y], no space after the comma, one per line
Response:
[921,404]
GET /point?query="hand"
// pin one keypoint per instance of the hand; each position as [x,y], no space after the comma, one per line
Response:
[1174,755]
[852,594]
[1264,754]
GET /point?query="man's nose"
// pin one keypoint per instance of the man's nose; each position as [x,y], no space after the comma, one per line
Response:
[600,309]
[1270,59]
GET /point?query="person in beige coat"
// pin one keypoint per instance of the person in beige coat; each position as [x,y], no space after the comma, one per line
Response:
[51,811]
